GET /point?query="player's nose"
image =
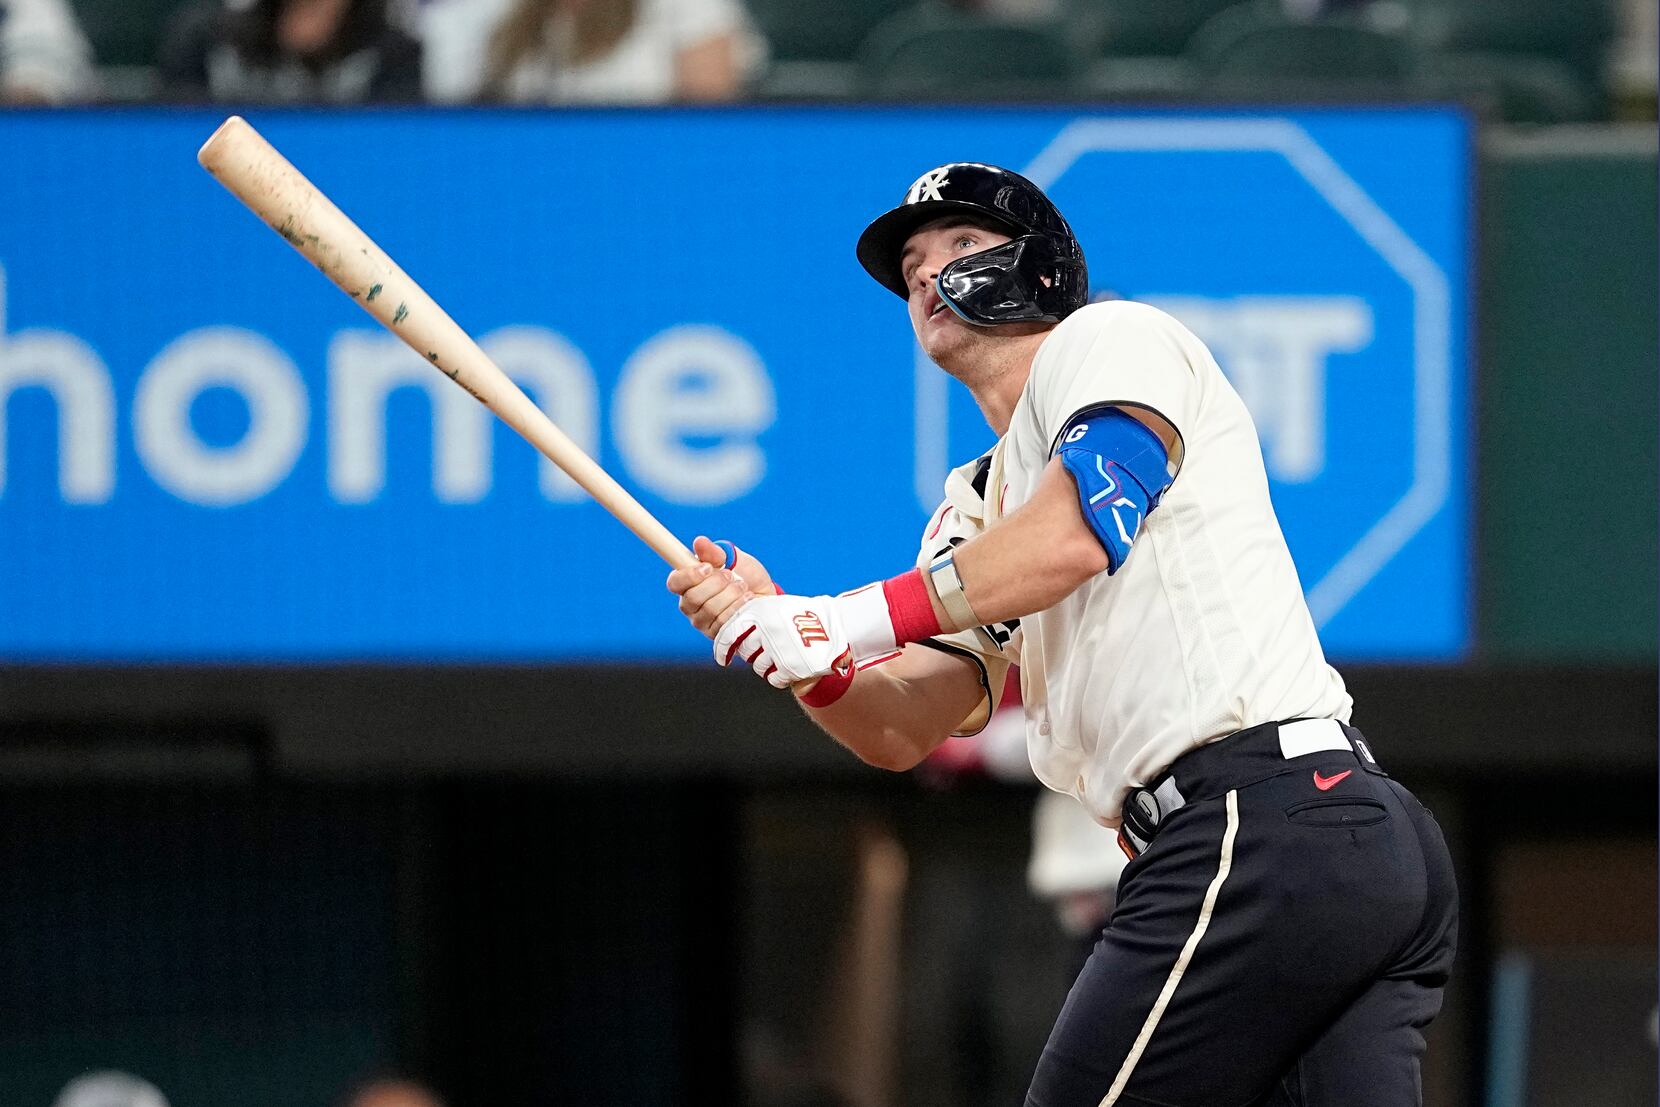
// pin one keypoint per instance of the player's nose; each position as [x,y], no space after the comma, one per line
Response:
[925,276]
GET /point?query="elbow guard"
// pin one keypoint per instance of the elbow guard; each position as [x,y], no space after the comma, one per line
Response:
[1121,471]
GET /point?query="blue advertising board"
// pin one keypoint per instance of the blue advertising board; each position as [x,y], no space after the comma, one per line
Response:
[207,453]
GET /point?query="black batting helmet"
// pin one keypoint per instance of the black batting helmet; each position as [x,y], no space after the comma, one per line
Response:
[1039,276]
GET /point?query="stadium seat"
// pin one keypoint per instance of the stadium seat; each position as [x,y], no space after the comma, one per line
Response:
[812,45]
[125,32]
[1510,88]
[807,80]
[930,52]
[1576,33]
[815,31]
[1253,47]
[1139,79]
[1138,28]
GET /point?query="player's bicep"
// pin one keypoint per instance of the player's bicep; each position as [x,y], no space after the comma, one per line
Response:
[1120,465]
[1126,355]
[1169,437]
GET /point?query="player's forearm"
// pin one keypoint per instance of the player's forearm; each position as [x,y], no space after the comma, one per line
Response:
[1034,558]
[1028,562]
[894,715]
[878,722]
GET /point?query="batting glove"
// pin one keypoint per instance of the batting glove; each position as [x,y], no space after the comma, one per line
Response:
[788,640]
[793,640]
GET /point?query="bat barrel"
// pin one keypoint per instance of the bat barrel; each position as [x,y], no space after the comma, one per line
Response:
[254,172]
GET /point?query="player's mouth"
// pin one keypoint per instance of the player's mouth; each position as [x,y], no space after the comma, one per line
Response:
[933,305]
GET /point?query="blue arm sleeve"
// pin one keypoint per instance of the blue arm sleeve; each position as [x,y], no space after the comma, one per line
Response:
[1121,470]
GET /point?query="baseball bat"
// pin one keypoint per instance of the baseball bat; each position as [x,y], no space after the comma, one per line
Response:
[255,173]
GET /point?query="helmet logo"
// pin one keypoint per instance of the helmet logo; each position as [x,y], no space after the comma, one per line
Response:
[927,186]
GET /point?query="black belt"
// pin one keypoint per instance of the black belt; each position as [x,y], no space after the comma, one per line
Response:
[1241,759]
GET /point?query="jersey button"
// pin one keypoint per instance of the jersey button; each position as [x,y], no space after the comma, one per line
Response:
[1043,729]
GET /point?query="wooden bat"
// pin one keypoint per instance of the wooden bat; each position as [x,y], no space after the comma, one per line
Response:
[251,168]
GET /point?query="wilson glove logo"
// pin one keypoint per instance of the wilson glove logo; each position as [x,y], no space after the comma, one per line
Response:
[811,628]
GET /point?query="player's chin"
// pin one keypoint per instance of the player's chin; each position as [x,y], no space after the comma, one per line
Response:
[941,338]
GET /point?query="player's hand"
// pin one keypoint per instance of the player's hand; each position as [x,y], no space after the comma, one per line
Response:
[788,640]
[709,594]
[713,589]
[741,562]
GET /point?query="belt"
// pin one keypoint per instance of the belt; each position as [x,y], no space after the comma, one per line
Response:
[1243,758]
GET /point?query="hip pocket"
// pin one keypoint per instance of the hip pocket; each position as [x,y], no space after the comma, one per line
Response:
[1342,812]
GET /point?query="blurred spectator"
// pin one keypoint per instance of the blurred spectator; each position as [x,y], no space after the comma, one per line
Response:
[109,1089]
[289,51]
[391,1093]
[1075,865]
[44,57]
[588,51]
[1634,59]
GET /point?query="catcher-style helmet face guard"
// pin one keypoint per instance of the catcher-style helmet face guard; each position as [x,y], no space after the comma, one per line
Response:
[1014,282]
[1038,276]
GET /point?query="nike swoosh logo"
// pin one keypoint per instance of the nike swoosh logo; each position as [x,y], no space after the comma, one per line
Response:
[1327,783]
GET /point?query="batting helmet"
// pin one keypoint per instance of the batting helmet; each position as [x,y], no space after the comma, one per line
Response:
[1038,276]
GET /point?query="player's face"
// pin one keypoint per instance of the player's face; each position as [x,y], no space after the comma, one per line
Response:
[931,248]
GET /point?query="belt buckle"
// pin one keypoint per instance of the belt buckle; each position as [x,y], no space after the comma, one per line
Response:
[1139,820]
[1126,845]
[1145,810]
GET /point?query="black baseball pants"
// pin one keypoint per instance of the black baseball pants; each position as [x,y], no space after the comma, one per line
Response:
[1282,940]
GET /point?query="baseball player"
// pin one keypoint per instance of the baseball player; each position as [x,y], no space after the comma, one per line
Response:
[1286,922]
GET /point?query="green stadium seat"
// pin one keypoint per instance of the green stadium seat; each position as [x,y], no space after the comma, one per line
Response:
[812,45]
[1255,46]
[936,53]
[819,31]
[1576,33]
[807,80]
[1132,28]
[125,32]
[1139,80]
[1511,88]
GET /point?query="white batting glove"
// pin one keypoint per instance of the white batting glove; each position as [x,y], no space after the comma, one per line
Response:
[791,639]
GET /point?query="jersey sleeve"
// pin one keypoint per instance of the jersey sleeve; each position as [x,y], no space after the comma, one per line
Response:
[1118,354]
[988,647]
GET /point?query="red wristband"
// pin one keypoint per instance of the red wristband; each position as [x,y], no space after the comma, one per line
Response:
[833,685]
[910,607]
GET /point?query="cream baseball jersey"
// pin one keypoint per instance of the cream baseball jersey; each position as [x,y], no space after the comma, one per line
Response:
[1203,631]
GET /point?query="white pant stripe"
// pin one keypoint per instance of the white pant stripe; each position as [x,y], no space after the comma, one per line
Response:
[1175,978]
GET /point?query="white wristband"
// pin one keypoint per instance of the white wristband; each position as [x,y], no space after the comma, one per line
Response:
[948,586]
[866,621]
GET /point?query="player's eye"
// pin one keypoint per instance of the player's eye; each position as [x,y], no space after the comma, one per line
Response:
[965,240]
